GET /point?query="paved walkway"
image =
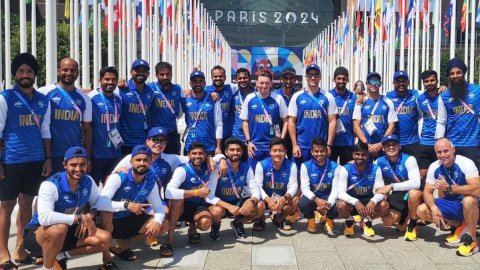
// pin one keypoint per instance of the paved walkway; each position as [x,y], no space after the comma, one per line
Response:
[297,249]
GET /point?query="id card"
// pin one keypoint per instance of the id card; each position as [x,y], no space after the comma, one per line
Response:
[278,133]
[340,128]
[115,138]
[370,127]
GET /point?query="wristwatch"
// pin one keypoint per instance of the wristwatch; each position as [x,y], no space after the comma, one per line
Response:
[247,141]
[448,190]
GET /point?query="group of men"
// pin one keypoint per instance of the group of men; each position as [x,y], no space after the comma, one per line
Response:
[247,152]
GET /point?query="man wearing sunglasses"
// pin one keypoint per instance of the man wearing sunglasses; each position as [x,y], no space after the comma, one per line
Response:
[375,118]
[408,113]
[312,113]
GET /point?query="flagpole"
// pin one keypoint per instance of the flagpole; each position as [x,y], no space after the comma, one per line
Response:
[144,30]
[50,42]
[70,26]
[95,46]
[76,35]
[466,34]
[416,64]
[99,36]
[85,46]
[111,37]
[130,29]
[1,56]
[424,40]
[8,72]
[472,42]
[453,31]
[156,31]
[23,25]
[34,28]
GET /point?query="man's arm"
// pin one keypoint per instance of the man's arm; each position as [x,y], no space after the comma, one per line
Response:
[332,128]
[87,136]
[441,119]
[359,132]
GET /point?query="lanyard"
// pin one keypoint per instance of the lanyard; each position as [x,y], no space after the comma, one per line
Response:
[230,172]
[358,182]
[106,110]
[34,115]
[395,177]
[197,117]
[77,192]
[323,175]
[162,96]
[134,90]
[430,110]
[132,182]
[317,101]
[402,103]
[189,164]
[466,106]
[375,107]
[65,94]
[265,110]
[240,98]
[447,174]
[344,105]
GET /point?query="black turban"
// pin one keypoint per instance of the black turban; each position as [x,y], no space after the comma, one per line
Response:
[24,58]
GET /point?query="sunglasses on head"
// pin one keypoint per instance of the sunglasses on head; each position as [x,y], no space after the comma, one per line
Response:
[158,140]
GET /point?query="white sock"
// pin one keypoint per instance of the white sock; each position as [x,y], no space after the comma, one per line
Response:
[63,255]
[44,268]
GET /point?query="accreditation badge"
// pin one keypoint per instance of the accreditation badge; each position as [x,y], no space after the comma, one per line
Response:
[115,138]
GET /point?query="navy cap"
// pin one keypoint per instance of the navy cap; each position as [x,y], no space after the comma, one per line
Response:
[400,74]
[157,131]
[141,149]
[373,74]
[197,73]
[140,63]
[289,70]
[312,66]
[74,152]
[391,137]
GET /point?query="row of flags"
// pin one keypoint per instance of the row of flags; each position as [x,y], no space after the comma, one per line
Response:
[180,32]
[388,35]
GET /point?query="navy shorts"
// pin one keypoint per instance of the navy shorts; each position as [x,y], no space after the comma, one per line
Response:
[451,209]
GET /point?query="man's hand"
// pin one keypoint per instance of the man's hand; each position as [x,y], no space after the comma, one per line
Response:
[137,208]
[204,191]
[215,96]
[297,152]
[121,169]
[322,206]
[441,184]
[272,204]
[361,99]
[281,202]
[437,217]
[188,92]
[153,229]
[442,89]
[251,149]
[218,150]
[361,209]
[384,190]
[222,168]
[233,209]
[370,209]
[247,208]
[86,228]
[375,148]
[122,83]
[47,167]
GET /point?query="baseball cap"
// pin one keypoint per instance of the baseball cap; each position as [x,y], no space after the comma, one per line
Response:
[157,131]
[289,70]
[312,66]
[400,74]
[391,137]
[140,63]
[141,149]
[74,152]
[197,73]
[373,74]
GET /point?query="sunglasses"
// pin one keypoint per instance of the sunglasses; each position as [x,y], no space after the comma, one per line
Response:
[158,140]
[374,82]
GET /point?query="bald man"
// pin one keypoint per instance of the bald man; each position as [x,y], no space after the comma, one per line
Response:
[71,113]
[457,177]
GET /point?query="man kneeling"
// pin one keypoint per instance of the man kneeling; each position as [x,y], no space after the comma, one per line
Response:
[62,227]
[238,192]
[123,206]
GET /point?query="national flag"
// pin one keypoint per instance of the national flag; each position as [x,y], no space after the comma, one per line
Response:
[447,18]
[477,19]
[411,14]
[66,13]
[463,21]
[378,14]
[425,15]
[117,13]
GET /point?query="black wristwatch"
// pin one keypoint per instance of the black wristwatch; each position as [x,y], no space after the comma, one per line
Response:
[448,190]
[247,141]
[125,205]
[79,218]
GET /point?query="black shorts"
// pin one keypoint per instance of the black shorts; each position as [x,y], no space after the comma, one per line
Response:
[102,168]
[345,153]
[57,164]
[173,145]
[127,227]
[426,156]
[412,150]
[126,150]
[364,201]
[21,178]
[471,152]
[191,209]
[34,247]
[398,202]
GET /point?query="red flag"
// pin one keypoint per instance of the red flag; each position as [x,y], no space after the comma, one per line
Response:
[117,14]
